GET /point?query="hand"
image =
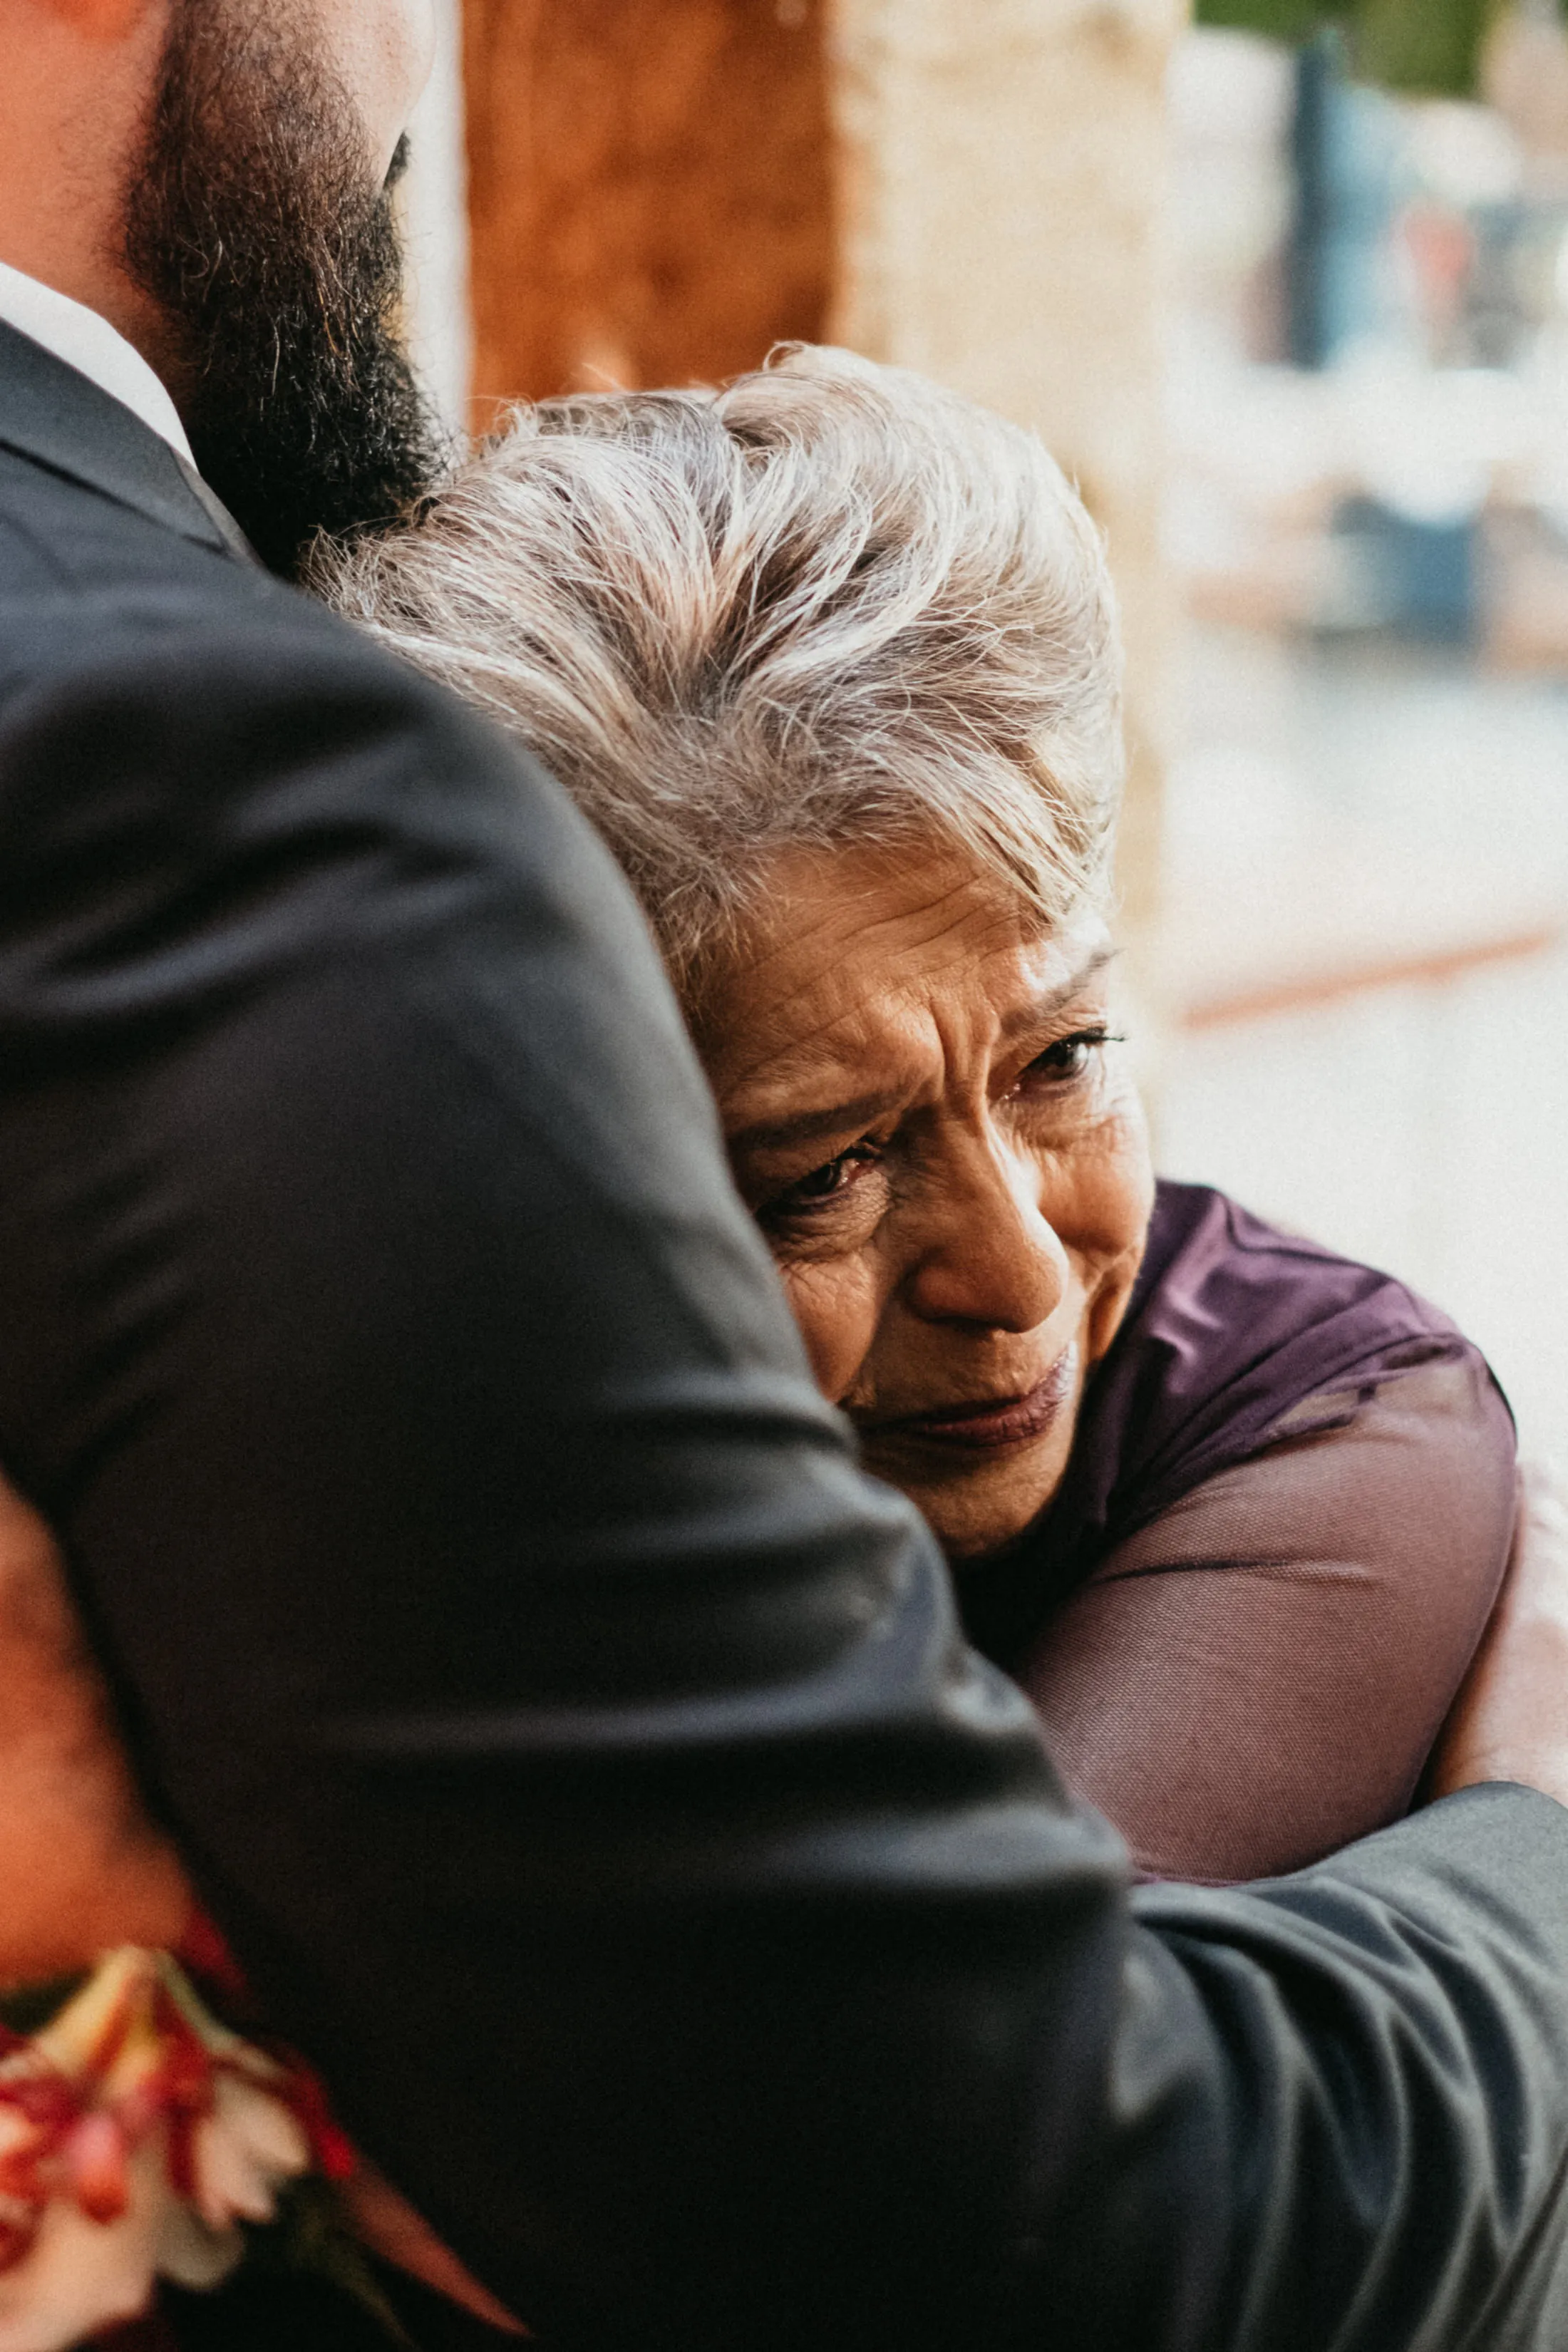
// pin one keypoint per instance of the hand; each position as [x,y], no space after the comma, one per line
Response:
[1510,1720]
[82,1868]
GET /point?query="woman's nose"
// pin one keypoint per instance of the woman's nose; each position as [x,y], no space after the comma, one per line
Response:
[986,1254]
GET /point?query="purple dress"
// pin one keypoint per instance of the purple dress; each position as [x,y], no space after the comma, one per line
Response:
[1288,1509]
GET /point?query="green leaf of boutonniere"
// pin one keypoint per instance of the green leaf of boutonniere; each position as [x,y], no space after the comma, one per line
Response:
[313,2238]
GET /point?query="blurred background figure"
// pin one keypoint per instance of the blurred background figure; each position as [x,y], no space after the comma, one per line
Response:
[1287,291]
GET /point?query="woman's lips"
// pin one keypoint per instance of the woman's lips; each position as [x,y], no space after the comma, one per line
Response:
[985,1424]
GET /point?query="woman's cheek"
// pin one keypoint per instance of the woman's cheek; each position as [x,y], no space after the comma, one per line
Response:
[1120,1199]
[834,1303]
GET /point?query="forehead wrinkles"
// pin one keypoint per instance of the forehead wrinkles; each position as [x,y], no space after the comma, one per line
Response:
[857,986]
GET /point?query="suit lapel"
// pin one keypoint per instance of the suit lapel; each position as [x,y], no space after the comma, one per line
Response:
[217,514]
[53,414]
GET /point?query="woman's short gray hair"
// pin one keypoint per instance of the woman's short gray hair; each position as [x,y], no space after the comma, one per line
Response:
[830,604]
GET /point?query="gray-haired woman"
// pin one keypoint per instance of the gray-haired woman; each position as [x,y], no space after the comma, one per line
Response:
[830,657]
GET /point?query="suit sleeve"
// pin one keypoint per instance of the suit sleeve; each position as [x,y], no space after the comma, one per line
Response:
[579,1752]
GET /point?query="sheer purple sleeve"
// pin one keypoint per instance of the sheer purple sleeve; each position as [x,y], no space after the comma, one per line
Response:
[1258,1677]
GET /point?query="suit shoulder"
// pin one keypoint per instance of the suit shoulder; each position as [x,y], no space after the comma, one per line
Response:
[76,565]
[166,726]
[92,592]
[28,566]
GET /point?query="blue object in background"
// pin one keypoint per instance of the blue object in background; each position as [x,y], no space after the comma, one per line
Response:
[1347,152]
[1423,579]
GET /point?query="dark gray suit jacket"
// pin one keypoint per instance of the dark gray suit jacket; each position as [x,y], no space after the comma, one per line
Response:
[577,1748]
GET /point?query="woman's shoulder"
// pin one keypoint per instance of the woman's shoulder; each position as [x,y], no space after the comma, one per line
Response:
[1219,1283]
[1236,1329]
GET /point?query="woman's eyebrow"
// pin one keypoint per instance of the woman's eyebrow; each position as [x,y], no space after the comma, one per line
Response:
[1056,999]
[775,1134]
[836,1119]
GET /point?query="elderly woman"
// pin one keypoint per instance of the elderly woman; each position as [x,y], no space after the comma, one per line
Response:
[831,660]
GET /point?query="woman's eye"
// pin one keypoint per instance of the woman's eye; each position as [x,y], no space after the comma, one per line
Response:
[1070,1057]
[824,1183]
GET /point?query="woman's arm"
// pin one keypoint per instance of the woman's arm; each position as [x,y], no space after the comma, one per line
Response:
[1259,1676]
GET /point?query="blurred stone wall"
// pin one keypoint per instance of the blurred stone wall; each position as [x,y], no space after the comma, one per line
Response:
[433,203]
[659,189]
[1001,184]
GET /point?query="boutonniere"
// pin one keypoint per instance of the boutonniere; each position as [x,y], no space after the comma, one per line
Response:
[140,2139]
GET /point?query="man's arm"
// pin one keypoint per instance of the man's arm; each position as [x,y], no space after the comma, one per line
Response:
[579,1752]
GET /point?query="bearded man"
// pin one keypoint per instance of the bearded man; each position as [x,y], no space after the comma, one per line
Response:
[245,245]
[575,1750]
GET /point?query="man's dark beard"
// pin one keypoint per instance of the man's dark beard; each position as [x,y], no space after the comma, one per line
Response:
[251,222]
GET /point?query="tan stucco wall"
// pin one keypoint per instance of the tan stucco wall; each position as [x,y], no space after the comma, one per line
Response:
[1002,167]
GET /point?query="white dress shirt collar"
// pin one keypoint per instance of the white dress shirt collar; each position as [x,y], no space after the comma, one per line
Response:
[98,351]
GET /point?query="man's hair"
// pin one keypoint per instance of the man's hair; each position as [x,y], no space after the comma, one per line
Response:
[831,604]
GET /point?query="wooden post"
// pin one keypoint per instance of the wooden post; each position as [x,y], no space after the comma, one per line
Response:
[651,188]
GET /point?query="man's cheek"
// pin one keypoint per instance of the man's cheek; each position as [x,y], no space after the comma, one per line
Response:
[382,52]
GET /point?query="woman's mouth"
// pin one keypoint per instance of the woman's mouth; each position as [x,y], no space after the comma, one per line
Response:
[985,1424]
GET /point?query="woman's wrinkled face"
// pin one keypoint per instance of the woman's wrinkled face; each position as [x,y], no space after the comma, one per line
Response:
[929,1118]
